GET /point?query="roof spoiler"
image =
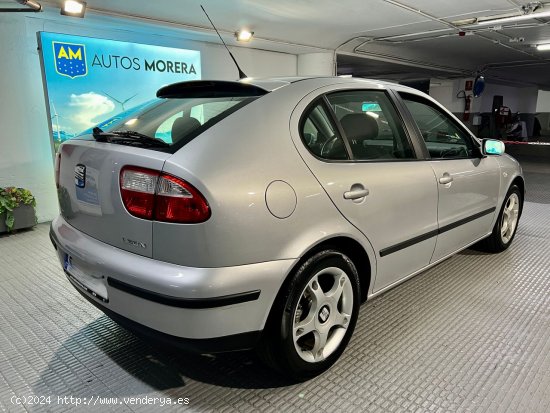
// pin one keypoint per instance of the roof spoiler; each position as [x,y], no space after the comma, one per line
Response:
[209,89]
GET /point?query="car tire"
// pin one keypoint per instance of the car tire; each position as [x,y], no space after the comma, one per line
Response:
[314,317]
[505,228]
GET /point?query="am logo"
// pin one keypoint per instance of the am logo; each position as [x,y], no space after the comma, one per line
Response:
[70,59]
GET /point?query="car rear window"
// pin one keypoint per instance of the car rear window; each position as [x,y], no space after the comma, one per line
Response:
[176,121]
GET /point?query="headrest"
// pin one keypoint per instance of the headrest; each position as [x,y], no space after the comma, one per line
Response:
[359,126]
[183,126]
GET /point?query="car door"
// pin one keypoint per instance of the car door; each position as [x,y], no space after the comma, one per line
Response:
[468,183]
[355,144]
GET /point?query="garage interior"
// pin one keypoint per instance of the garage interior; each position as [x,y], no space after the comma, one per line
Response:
[471,334]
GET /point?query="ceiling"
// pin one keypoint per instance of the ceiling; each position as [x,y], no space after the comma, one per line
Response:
[376,38]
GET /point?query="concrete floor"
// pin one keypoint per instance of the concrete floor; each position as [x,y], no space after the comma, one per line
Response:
[471,334]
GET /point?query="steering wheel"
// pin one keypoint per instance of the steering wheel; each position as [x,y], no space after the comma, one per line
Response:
[328,146]
[455,152]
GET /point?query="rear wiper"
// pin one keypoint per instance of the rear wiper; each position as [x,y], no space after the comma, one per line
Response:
[125,136]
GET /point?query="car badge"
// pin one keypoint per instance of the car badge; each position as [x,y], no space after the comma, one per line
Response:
[80,176]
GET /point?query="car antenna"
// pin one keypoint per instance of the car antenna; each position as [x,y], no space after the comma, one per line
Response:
[242,75]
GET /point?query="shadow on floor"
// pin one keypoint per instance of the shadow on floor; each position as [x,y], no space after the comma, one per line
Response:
[15,232]
[155,366]
[472,251]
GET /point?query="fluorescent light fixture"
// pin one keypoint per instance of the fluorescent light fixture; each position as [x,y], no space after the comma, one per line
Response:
[512,19]
[130,122]
[73,8]
[543,47]
[244,35]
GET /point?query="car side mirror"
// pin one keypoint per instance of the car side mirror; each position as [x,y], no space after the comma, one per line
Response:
[492,147]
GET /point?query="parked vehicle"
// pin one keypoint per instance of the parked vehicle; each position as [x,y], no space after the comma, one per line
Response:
[261,213]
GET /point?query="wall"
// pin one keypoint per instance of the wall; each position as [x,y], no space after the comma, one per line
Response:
[543,113]
[543,101]
[26,157]
[446,91]
[316,64]
[518,99]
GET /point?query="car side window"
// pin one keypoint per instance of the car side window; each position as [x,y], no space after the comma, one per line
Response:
[371,125]
[320,136]
[443,137]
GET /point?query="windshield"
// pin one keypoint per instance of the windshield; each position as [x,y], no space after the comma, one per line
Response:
[174,121]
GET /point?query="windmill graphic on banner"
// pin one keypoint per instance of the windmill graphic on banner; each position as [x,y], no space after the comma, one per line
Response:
[121,102]
[56,117]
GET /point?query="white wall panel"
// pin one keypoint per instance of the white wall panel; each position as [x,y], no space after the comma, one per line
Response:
[543,101]
[518,99]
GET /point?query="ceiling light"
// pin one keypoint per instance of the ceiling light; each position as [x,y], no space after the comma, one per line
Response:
[244,35]
[31,4]
[512,19]
[543,47]
[73,8]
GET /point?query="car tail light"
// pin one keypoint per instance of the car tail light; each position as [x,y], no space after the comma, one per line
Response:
[179,201]
[150,194]
[57,168]
[137,186]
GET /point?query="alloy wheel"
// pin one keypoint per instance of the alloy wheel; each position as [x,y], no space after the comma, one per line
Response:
[323,314]
[510,216]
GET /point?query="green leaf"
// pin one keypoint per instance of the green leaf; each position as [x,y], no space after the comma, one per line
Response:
[12,197]
[9,220]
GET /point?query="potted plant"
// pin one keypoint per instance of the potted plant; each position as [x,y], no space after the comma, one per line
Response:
[16,209]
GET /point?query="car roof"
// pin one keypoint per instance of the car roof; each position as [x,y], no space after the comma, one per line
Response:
[271,84]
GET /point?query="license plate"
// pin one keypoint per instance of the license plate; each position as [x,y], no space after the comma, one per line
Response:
[92,285]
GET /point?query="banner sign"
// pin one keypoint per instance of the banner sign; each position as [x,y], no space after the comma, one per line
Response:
[91,80]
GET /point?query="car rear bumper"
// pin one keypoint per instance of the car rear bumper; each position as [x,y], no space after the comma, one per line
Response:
[186,306]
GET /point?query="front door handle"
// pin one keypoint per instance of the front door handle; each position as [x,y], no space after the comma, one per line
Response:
[446,179]
[356,193]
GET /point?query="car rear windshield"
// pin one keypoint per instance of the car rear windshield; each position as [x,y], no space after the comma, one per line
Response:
[174,121]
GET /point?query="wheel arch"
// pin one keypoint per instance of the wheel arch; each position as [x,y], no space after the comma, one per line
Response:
[347,246]
[355,252]
[520,182]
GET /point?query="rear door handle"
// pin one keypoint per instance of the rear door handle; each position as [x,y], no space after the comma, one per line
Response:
[446,179]
[356,193]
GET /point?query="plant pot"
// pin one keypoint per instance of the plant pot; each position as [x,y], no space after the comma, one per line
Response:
[24,217]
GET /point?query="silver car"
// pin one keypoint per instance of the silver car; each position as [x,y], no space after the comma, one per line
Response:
[261,213]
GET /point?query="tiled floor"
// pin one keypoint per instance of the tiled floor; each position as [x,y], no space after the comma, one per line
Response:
[471,334]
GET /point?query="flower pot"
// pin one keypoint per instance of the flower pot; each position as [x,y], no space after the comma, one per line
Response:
[24,217]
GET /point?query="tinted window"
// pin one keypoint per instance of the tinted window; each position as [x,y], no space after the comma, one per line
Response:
[371,125]
[320,135]
[174,120]
[443,137]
